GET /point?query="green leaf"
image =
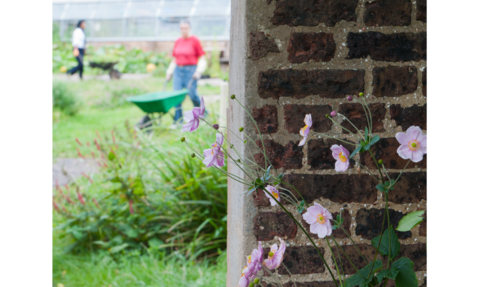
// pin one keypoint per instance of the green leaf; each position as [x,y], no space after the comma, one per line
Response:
[380,187]
[251,190]
[118,248]
[383,247]
[406,277]
[132,233]
[389,273]
[410,220]
[355,151]
[111,156]
[301,207]
[374,140]
[358,278]
[366,133]
[155,243]
[339,222]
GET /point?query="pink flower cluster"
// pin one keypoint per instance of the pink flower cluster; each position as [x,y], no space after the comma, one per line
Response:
[214,156]
[254,262]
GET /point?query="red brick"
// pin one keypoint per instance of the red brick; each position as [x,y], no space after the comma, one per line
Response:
[340,188]
[295,114]
[369,223]
[334,84]
[267,225]
[410,188]
[356,114]
[423,225]
[417,253]
[398,47]
[411,116]
[287,157]
[386,150]
[424,82]
[304,47]
[312,13]
[388,13]
[302,260]
[260,45]
[260,199]
[368,252]
[338,233]
[320,155]
[422,10]
[266,118]
[394,81]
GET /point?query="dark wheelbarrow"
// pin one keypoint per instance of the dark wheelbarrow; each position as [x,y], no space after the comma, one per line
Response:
[156,104]
[107,66]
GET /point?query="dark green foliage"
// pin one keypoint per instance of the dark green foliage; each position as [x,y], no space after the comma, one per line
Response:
[64,99]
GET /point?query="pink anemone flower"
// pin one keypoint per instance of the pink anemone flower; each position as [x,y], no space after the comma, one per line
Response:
[275,194]
[413,144]
[214,156]
[306,129]
[275,256]
[319,219]
[246,277]
[193,118]
[340,154]
[254,261]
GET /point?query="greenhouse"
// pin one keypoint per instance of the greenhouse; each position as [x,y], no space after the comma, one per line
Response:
[140,20]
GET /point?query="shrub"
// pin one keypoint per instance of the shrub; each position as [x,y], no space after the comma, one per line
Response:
[64,99]
[147,196]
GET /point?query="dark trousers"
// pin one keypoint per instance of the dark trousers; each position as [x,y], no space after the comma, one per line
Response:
[79,67]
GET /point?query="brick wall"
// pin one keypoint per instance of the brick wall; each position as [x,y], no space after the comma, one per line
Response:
[306,57]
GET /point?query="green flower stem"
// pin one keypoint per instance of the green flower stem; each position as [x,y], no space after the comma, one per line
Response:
[353,125]
[282,182]
[402,171]
[288,191]
[279,284]
[335,123]
[234,177]
[367,170]
[348,258]
[294,283]
[237,164]
[258,129]
[288,198]
[389,231]
[386,173]
[376,163]
[306,233]
[335,261]
[371,118]
[341,265]
[365,110]
[324,135]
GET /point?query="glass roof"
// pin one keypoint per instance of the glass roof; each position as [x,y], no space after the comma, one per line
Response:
[118,9]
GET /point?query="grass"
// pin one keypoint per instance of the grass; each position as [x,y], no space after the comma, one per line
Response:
[134,270]
[98,114]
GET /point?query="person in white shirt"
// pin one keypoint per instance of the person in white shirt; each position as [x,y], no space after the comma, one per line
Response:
[78,43]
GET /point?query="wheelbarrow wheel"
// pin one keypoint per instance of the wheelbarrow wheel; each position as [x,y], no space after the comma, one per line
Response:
[145,123]
[115,74]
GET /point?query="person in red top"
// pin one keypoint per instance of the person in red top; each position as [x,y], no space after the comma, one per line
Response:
[187,66]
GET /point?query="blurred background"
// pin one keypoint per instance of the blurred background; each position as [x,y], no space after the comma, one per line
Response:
[131,207]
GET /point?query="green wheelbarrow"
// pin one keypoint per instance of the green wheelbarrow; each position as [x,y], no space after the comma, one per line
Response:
[156,104]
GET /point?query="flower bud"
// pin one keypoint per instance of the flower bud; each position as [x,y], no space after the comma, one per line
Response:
[333,113]
[193,155]
[239,160]
[256,281]
[327,115]
[380,161]
[182,139]
[251,284]
[216,126]
[349,98]
[361,94]
[241,129]
[232,97]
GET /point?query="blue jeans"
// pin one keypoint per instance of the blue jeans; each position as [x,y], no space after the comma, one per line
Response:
[181,77]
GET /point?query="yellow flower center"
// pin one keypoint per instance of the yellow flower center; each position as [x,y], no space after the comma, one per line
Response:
[342,157]
[275,194]
[321,219]
[243,274]
[270,254]
[303,129]
[413,145]
[249,259]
